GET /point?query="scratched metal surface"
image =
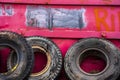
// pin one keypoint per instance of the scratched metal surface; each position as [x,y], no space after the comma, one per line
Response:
[89,2]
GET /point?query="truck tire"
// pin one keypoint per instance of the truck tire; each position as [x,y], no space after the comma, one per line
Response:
[99,48]
[24,54]
[53,54]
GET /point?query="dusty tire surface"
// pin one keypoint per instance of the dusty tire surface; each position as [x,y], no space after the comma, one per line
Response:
[24,54]
[53,54]
[105,50]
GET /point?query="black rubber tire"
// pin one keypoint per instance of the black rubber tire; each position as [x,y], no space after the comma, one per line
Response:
[56,57]
[24,53]
[74,55]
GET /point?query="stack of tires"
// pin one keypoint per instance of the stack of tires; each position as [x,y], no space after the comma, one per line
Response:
[22,50]
[21,58]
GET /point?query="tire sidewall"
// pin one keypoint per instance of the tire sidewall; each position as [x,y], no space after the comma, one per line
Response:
[112,71]
[55,54]
[24,52]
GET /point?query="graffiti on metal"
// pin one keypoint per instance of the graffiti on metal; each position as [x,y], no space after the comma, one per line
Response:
[55,17]
[108,20]
[6,10]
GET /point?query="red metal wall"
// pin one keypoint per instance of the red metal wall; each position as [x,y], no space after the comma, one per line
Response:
[75,2]
[101,20]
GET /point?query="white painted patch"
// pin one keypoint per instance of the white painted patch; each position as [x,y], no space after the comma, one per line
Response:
[6,10]
[70,18]
[38,16]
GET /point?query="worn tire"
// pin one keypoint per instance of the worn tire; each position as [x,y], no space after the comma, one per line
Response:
[106,50]
[54,61]
[24,54]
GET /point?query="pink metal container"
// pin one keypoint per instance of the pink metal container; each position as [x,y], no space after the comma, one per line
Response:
[63,21]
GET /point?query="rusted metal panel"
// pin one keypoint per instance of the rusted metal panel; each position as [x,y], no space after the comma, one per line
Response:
[76,2]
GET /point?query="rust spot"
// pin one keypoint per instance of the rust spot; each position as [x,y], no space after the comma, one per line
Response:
[48,2]
[103,34]
[83,1]
[18,1]
[108,0]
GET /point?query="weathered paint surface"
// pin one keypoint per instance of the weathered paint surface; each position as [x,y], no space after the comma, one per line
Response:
[74,18]
[55,17]
[37,16]
[64,21]
[102,21]
[76,2]
[6,10]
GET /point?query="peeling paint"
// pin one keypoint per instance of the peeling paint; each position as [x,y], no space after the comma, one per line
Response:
[37,16]
[55,17]
[6,10]
[0,10]
[70,2]
[68,18]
